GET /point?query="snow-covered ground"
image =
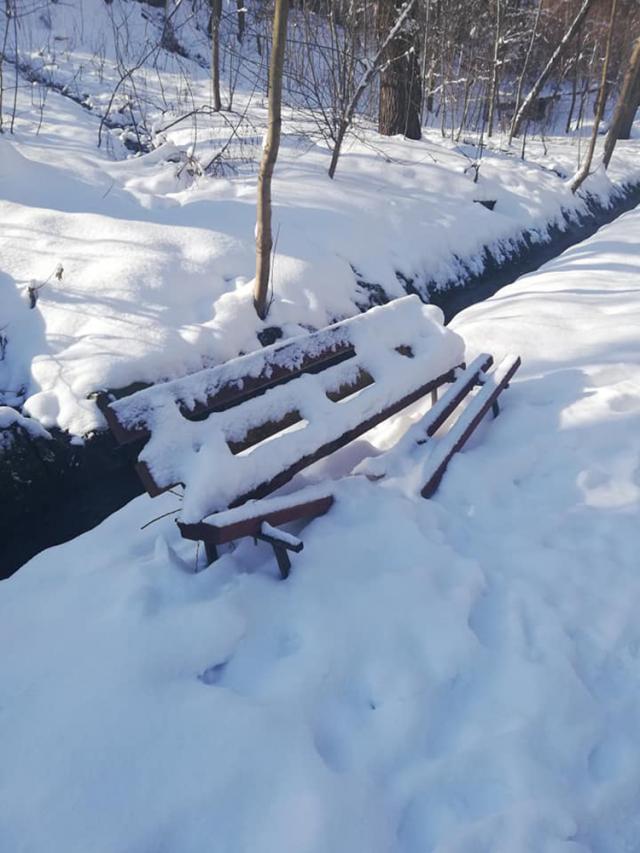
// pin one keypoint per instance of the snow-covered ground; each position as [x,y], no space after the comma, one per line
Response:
[455,675]
[157,266]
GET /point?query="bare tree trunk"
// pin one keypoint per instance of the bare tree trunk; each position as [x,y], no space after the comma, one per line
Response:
[241,13]
[525,67]
[264,239]
[493,89]
[214,26]
[626,105]
[3,51]
[468,83]
[14,12]
[372,69]
[423,72]
[583,172]
[400,80]
[549,67]
[574,88]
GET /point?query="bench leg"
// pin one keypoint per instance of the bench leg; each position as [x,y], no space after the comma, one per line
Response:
[495,409]
[434,396]
[211,552]
[284,563]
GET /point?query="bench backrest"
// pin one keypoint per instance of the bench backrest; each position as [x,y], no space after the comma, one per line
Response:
[272,413]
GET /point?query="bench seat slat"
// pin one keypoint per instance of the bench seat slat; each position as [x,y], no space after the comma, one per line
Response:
[440,454]
[229,384]
[214,478]
[377,467]
[247,519]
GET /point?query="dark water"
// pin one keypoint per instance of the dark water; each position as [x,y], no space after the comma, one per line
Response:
[531,256]
[52,492]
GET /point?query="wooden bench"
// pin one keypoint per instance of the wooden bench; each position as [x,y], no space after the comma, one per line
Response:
[233,434]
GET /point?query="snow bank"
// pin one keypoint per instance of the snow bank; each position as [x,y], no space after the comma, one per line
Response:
[11,418]
[459,674]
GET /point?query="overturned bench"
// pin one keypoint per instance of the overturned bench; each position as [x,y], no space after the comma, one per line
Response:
[234,434]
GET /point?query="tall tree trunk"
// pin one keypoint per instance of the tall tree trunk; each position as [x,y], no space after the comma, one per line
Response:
[583,172]
[264,239]
[626,105]
[373,68]
[425,83]
[400,80]
[549,67]
[525,67]
[493,89]
[3,51]
[241,13]
[214,26]
[574,88]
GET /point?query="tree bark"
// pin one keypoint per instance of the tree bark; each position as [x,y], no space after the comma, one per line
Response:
[525,67]
[626,105]
[371,71]
[549,67]
[264,239]
[583,172]
[214,26]
[241,13]
[400,79]
[493,89]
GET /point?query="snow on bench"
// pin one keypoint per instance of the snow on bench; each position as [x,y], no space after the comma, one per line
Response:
[440,454]
[398,353]
[426,461]
[423,461]
[217,388]
[393,461]
[275,412]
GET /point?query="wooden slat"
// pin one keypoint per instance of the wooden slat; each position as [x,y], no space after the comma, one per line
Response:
[376,467]
[235,391]
[330,447]
[222,387]
[449,402]
[496,382]
[218,534]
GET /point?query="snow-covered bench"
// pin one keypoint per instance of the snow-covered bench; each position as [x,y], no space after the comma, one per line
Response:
[234,434]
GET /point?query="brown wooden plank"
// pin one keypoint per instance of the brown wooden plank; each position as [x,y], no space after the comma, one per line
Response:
[276,371]
[265,430]
[249,375]
[260,432]
[489,399]
[330,447]
[275,374]
[150,485]
[208,531]
[453,397]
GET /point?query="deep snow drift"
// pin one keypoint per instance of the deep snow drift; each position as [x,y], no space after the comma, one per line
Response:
[455,675]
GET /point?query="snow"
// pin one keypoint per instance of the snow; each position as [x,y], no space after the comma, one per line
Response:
[158,265]
[455,675]
[393,324]
[280,535]
[402,455]
[452,675]
[270,504]
[11,418]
